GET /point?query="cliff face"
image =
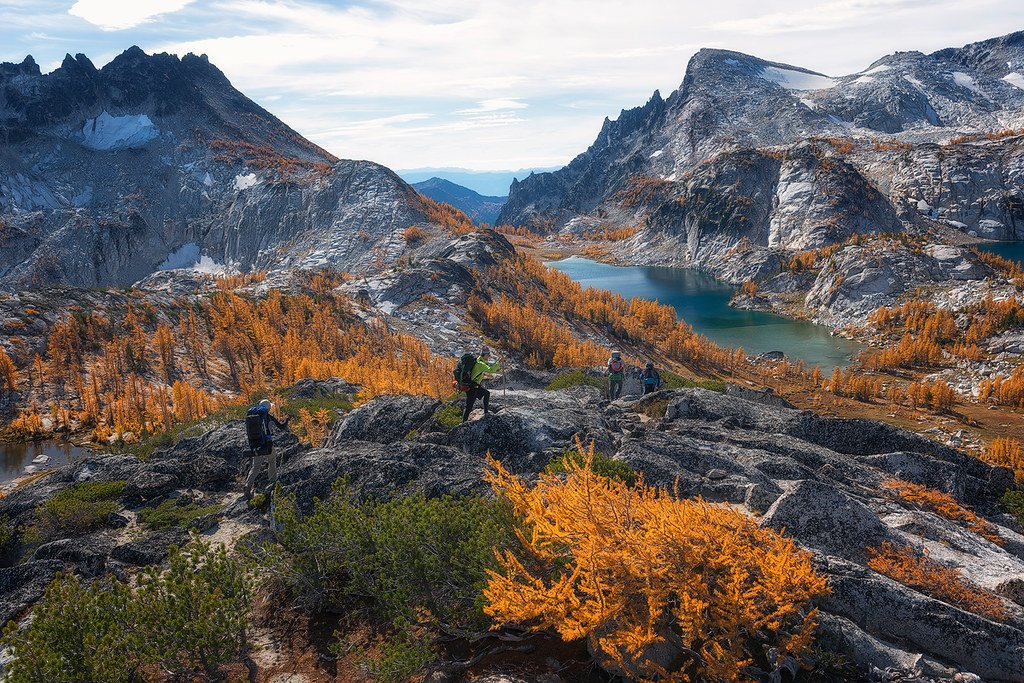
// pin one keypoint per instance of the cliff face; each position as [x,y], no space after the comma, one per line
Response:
[153,161]
[779,157]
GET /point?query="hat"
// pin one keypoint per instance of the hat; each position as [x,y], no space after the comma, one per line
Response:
[650,365]
[266,403]
[615,354]
[485,350]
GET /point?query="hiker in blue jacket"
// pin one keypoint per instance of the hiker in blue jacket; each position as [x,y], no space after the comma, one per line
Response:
[261,444]
[650,379]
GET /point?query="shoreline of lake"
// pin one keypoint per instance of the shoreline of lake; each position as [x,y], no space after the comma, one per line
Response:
[702,301]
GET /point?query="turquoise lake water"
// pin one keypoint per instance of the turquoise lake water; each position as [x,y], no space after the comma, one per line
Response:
[1009,250]
[15,456]
[703,302]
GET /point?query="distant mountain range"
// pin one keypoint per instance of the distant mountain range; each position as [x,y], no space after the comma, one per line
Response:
[154,161]
[777,157]
[478,207]
[487,183]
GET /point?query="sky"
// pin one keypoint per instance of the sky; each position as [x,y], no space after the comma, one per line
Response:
[480,84]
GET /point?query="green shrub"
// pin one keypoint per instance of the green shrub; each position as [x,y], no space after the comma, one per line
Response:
[78,509]
[408,558]
[77,634]
[1013,501]
[601,464]
[187,622]
[401,657]
[447,416]
[576,378]
[671,380]
[168,514]
[193,618]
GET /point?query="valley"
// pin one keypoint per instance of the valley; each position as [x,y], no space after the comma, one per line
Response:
[172,253]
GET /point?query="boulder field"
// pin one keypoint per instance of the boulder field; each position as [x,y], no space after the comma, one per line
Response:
[815,479]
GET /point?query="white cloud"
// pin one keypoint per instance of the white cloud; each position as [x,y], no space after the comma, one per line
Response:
[483,83]
[498,104]
[116,15]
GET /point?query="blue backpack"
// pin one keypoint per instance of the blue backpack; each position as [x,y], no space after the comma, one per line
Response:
[257,422]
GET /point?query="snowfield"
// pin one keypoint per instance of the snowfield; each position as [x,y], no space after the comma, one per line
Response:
[106,132]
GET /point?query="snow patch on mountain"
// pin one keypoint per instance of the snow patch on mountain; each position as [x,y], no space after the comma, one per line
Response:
[188,257]
[965,81]
[796,80]
[1014,78]
[244,182]
[106,132]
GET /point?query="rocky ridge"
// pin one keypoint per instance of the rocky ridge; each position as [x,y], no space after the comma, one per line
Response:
[156,162]
[772,158]
[817,478]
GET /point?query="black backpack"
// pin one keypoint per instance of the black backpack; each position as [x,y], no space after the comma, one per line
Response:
[464,370]
[256,430]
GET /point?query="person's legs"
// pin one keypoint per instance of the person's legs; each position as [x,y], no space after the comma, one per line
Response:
[272,468]
[470,400]
[254,471]
[615,388]
[487,399]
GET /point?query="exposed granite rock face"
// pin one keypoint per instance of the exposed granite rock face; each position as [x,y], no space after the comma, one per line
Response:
[385,419]
[749,158]
[818,478]
[154,161]
[857,279]
[152,550]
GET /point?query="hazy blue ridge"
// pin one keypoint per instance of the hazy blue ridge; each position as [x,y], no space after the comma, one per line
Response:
[487,183]
[480,208]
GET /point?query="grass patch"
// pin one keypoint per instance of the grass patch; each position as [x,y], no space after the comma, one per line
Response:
[76,510]
[577,378]
[670,380]
[601,465]
[167,514]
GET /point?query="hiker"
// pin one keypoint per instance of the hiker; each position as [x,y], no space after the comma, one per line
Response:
[468,374]
[616,374]
[261,444]
[650,379]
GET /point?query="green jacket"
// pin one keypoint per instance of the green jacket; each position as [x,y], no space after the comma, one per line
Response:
[480,368]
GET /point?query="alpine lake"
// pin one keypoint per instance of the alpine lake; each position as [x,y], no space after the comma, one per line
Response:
[703,302]
[37,455]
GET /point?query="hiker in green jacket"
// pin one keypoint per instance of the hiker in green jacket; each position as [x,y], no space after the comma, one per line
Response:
[476,391]
[616,375]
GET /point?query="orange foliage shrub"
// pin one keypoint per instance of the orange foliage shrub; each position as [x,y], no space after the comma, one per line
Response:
[1006,452]
[413,234]
[445,215]
[942,504]
[644,190]
[8,374]
[1006,391]
[936,395]
[916,570]
[853,385]
[622,566]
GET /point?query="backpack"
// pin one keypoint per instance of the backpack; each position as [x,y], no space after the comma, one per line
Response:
[464,372]
[616,367]
[652,378]
[256,430]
